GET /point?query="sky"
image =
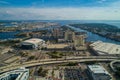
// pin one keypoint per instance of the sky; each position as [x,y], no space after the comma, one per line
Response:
[59,9]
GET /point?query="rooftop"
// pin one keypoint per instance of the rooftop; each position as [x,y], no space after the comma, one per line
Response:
[18,72]
[57,46]
[97,69]
[33,40]
[106,48]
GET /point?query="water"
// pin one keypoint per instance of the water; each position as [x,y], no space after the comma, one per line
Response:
[8,35]
[11,35]
[64,22]
[91,36]
[94,37]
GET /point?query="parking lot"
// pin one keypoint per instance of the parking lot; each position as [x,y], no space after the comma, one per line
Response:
[73,73]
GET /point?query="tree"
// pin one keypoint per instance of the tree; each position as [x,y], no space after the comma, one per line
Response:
[42,72]
[53,73]
[31,57]
[118,71]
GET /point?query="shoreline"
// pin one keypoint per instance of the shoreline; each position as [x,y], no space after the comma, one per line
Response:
[111,32]
[110,40]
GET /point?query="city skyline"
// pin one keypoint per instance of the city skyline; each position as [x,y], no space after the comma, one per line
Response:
[59,10]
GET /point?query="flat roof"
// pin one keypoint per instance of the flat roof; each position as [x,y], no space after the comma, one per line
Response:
[105,48]
[97,69]
[57,46]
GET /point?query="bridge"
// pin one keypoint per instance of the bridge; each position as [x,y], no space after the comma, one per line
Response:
[111,65]
[58,61]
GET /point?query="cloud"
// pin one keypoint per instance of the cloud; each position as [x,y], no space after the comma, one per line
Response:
[97,13]
[111,12]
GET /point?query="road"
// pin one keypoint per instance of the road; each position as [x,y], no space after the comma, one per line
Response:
[57,61]
[111,65]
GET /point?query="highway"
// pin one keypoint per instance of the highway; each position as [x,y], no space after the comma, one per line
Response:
[58,61]
[111,64]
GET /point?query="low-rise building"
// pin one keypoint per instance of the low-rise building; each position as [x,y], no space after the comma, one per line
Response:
[103,48]
[97,72]
[18,74]
[57,46]
[33,43]
[36,35]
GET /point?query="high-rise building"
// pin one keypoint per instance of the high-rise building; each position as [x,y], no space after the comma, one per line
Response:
[69,35]
[57,33]
[79,40]
[18,74]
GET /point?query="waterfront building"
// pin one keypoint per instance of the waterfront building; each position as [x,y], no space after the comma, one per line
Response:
[97,72]
[18,74]
[33,43]
[103,48]
[79,40]
[69,35]
[57,33]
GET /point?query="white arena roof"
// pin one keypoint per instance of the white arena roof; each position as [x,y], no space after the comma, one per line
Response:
[33,41]
[106,48]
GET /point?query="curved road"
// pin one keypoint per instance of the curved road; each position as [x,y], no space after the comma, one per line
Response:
[111,65]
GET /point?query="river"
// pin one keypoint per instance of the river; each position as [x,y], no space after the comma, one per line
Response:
[91,37]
